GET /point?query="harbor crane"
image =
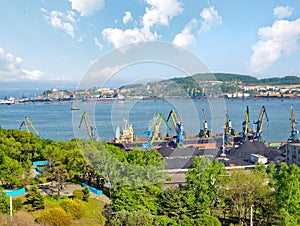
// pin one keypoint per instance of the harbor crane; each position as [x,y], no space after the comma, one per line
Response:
[25,123]
[294,132]
[245,125]
[259,124]
[204,133]
[178,126]
[154,135]
[228,131]
[89,127]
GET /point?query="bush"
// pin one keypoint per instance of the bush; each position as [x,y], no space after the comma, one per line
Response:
[86,193]
[75,208]
[17,204]
[78,194]
[56,217]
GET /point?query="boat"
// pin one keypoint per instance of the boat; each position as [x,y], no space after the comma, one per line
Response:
[74,108]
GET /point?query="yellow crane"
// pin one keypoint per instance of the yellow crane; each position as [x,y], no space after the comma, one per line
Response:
[294,132]
[152,136]
[178,126]
[259,123]
[24,123]
[89,127]
[245,125]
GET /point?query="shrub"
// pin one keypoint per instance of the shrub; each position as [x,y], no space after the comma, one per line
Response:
[78,194]
[56,217]
[86,193]
[75,208]
[17,204]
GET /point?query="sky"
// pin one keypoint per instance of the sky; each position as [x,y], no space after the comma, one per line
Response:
[57,41]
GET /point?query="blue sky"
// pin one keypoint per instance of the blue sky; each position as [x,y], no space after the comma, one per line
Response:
[58,40]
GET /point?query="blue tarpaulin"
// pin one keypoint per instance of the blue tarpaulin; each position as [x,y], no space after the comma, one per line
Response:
[94,190]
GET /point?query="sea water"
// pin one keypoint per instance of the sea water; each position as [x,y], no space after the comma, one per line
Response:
[57,121]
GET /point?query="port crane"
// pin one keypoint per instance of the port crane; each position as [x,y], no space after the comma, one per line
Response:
[178,126]
[294,132]
[227,130]
[245,125]
[204,133]
[259,123]
[153,135]
[89,127]
[25,123]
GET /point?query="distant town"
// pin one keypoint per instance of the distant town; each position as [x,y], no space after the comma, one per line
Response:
[226,86]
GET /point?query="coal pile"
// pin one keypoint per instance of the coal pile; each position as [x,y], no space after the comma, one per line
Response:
[241,155]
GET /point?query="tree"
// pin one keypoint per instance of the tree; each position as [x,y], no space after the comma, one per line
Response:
[78,194]
[204,181]
[287,190]
[244,189]
[172,203]
[34,199]
[133,218]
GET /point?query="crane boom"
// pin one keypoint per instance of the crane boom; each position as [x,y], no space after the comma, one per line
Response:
[24,123]
[259,123]
[90,129]
[205,131]
[156,123]
[178,126]
[245,125]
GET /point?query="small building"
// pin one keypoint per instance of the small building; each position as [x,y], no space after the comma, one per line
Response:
[258,158]
[293,153]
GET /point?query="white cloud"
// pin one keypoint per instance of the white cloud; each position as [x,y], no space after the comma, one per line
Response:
[209,18]
[87,7]
[281,38]
[60,20]
[127,18]
[283,11]
[160,12]
[120,37]
[11,68]
[100,46]
[185,38]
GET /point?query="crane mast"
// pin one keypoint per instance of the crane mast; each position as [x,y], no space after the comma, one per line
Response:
[178,126]
[90,129]
[294,132]
[205,131]
[259,123]
[245,125]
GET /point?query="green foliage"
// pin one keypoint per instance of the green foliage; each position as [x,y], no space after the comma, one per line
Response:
[131,198]
[54,217]
[78,194]
[86,194]
[164,221]
[287,187]
[34,199]
[17,203]
[74,207]
[207,220]
[172,203]
[133,218]
[4,202]
[204,179]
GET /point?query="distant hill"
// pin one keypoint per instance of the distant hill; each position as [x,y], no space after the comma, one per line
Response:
[199,83]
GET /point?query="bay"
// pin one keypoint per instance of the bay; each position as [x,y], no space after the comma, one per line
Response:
[56,121]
